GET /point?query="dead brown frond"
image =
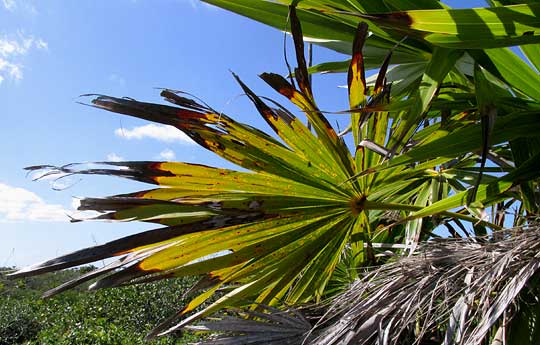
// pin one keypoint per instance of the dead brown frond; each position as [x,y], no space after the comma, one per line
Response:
[267,325]
[450,291]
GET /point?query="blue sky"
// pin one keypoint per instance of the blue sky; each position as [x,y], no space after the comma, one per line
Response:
[52,51]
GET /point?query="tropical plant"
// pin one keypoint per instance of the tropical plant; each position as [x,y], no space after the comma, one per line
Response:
[445,135]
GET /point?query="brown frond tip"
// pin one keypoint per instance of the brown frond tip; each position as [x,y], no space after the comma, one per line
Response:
[279,84]
[173,96]
[301,72]
[143,171]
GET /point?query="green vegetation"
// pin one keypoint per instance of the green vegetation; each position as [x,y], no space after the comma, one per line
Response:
[447,138]
[113,316]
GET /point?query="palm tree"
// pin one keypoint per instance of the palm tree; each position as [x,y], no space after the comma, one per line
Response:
[445,135]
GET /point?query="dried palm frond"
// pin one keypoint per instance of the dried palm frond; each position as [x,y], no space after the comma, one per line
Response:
[267,325]
[451,291]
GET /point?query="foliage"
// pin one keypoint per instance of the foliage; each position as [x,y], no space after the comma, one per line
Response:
[445,135]
[119,316]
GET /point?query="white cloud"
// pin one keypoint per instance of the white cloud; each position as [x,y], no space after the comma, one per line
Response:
[12,51]
[19,204]
[20,44]
[11,70]
[9,5]
[167,155]
[113,157]
[159,132]
[12,47]
[23,5]
[115,78]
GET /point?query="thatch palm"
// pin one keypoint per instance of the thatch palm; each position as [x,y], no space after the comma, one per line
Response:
[299,226]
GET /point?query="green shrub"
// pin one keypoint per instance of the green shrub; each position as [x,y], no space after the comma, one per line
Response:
[18,321]
[113,316]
